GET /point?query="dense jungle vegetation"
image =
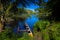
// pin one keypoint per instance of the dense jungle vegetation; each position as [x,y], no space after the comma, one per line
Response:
[47,28]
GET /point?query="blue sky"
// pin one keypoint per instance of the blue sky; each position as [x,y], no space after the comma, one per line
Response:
[32,6]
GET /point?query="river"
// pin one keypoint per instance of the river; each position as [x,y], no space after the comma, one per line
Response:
[30,21]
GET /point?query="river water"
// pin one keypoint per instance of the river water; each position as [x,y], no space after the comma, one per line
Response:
[30,21]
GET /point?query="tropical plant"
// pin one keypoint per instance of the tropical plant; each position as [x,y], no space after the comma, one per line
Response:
[49,31]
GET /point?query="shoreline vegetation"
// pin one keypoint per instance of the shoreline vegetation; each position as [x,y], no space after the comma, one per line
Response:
[43,22]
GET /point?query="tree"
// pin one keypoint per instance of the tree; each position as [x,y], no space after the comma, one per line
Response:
[8,9]
[54,5]
[43,11]
[10,15]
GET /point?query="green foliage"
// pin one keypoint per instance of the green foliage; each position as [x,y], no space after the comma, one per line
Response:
[42,24]
[49,31]
[25,37]
[54,31]
[8,34]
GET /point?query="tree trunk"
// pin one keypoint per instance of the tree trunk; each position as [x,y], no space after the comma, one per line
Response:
[1,23]
[1,27]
